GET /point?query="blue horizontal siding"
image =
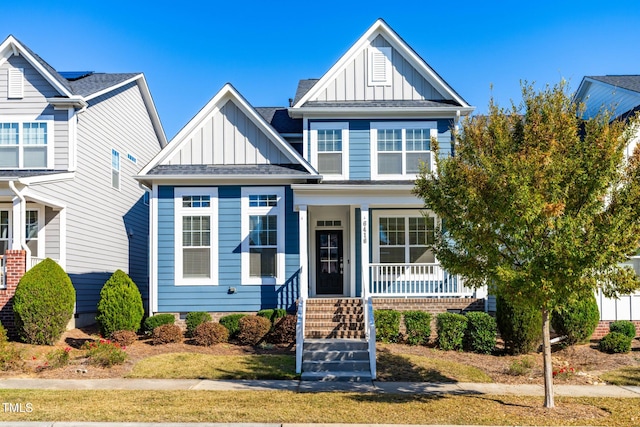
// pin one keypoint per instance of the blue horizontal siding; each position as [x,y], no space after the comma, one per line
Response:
[359,149]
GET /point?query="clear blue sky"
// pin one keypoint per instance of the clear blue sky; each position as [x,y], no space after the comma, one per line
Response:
[189,50]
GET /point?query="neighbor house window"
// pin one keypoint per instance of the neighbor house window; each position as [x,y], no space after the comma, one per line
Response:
[115,169]
[262,224]
[25,144]
[398,149]
[330,149]
[404,239]
[4,231]
[196,239]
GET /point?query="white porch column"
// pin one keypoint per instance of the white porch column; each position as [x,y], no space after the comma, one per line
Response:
[365,259]
[304,251]
[17,220]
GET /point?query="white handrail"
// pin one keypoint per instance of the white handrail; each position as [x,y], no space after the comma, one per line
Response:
[370,333]
[300,333]
[407,280]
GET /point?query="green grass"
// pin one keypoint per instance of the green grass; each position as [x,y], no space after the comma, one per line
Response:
[624,376]
[396,367]
[290,407]
[205,366]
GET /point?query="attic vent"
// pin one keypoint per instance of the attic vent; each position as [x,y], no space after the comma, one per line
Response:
[379,66]
[15,83]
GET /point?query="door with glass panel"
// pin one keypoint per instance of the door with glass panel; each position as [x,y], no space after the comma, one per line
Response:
[329,262]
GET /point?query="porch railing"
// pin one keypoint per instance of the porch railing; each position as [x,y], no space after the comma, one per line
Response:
[300,326]
[35,260]
[415,280]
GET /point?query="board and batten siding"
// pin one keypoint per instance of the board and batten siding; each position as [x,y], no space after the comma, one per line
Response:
[228,137]
[34,105]
[351,83]
[174,298]
[107,228]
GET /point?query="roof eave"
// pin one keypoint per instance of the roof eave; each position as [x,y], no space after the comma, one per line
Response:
[381,111]
[239,177]
[70,102]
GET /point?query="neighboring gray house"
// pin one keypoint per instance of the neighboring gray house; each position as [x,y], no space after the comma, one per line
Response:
[69,144]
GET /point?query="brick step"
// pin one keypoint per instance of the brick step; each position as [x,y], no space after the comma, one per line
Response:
[354,317]
[334,325]
[332,333]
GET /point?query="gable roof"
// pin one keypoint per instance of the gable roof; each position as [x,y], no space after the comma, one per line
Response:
[228,93]
[628,82]
[309,89]
[620,94]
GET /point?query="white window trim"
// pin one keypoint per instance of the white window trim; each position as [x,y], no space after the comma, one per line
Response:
[212,212]
[9,208]
[373,52]
[344,126]
[403,126]
[401,213]
[15,83]
[41,230]
[278,210]
[20,120]
[111,169]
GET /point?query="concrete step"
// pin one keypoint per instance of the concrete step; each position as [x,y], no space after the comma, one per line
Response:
[335,355]
[336,376]
[335,345]
[335,366]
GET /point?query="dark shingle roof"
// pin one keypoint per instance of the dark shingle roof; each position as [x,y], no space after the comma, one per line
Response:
[64,82]
[97,82]
[263,169]
[25,173]
[304,86]
[382,104]
[278,117]
[629,82]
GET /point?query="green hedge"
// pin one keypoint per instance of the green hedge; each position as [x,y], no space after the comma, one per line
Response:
[451,328]
[230,322]
[520,327]
[480,335]
[194,319]
[625,327]
[387,325]
[150,323]
[615,342]
[418,327]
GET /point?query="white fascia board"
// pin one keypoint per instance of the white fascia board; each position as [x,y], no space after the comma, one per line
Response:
[56,177]
[15,46]
[208,179]
[381,112]
[35,197]
[74,101]
[377,188]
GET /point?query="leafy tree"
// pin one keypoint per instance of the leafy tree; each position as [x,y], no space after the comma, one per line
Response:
[538,203]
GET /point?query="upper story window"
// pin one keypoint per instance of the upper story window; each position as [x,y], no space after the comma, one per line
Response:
[26,144]
[398,149]
[115,169]
[263,231]
[330,149]
[196,241]
[379,69]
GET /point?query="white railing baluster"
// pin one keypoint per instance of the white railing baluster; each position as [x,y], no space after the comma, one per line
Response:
[408,280]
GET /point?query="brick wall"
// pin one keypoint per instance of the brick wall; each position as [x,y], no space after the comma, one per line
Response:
[15,262]
[603,329]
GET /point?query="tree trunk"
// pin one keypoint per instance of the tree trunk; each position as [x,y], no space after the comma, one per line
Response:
[548,364]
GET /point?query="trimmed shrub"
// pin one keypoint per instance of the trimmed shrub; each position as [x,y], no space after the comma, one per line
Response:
[625,327]
[451,328]
[124,338]
[3,335]
[520,327]
[195,319]
[120,306]
[253,329]
[151,323]
[418,326]
[480,335]
[615,342]
[210,333]
[284,330]
[272,314]
[267,313]
[104,353]
[167,333]
[578,320]
[43,303]
[10,358]
[230,322]
[387,325]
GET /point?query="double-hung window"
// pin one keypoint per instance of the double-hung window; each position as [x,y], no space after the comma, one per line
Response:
[26,144]
[330,149]
[399,148]
[403,238]
[196,236]
[115,169]
[262,224]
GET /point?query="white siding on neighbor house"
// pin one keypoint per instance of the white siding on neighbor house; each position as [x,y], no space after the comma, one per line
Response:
[228,137]
[99,216]
[600,95]
[34,105]
[52,233]
[352,83]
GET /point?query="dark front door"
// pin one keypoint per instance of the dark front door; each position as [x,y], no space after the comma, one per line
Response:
[329,266]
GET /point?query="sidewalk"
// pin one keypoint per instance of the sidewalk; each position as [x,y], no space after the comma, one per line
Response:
[320,386]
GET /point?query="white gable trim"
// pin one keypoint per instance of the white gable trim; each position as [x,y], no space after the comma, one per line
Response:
[227,93]
[381,28]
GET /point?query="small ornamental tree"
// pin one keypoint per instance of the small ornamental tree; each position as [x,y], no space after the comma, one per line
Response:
[120,306]
[43,303]
[539,203]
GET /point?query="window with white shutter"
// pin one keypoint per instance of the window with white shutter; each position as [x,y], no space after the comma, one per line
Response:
[379,66]
[16,83]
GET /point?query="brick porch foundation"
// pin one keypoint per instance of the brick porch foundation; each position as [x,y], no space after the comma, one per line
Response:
[15,262]
[603,329]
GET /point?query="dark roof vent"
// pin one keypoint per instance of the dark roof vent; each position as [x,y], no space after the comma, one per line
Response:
[75,75]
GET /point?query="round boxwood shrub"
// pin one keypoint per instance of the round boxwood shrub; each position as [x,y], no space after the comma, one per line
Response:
[167,333]
[451,327]
[230,322]
[578,320]
[210,333]
[520,327]
[120,306]
[152,322]
[480,335]
[43,303]
[615,342]
[625,327]
[195,319]
[418,327]
[387,325]
[253,329]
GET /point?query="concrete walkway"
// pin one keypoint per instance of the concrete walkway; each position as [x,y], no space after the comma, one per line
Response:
[319,386]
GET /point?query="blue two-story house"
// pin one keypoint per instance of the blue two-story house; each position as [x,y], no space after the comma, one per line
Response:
[258,208]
